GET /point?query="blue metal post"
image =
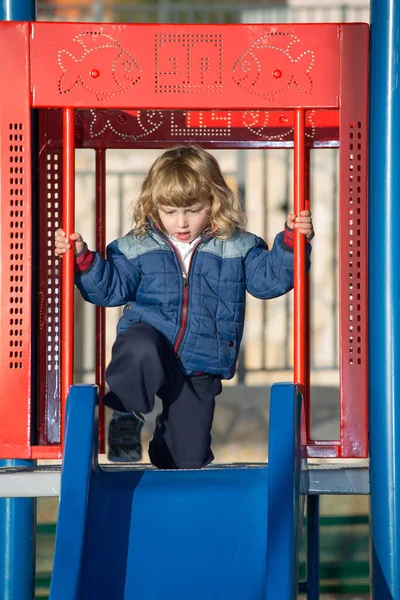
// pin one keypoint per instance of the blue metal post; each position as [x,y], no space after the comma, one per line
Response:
[17,544]
[17,515]
[384,297]
[310,587]
[313,547]
[17,10]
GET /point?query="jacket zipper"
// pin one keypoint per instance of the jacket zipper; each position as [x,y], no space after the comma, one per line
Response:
[185,304]
[185,279]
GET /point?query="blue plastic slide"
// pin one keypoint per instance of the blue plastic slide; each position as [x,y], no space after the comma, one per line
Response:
[220,533]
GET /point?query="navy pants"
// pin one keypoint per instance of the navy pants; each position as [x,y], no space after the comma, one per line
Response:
[143,365]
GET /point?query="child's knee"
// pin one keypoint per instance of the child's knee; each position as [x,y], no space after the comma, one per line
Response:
[140,340]
[162,457]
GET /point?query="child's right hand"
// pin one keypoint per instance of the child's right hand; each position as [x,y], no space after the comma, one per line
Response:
[63,244]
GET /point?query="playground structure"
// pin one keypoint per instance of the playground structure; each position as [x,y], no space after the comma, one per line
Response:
[324,101]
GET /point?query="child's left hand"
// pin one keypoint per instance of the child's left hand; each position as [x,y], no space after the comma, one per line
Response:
[303,223]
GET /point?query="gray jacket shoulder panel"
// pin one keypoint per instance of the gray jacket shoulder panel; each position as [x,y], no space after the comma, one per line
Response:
[132,247]
[237,246]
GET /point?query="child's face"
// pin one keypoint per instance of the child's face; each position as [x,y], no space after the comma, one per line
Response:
[187,223]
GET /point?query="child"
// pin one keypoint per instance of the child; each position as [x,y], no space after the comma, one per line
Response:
[181,274]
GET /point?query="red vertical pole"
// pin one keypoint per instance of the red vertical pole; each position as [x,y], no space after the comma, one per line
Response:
[307,398]
[100,310]
[67,312]
[299,251]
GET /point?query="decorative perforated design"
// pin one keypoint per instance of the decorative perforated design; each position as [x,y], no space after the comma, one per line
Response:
[109,127]
[99,63]
[49,315]
[115,122]
[17,250]
[189,63]
[49,290]
[354,254]
[272,64]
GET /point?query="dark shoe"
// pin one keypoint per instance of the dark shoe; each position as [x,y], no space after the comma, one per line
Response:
[124,443]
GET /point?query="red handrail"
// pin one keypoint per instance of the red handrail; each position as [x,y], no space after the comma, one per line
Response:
[307,384]
[68,264]
[300,326]
[100,310]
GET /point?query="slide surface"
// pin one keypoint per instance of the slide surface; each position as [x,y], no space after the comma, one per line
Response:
[218,533]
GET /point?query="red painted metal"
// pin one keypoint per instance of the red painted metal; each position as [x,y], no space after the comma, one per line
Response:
[279,121]
[299,253]
[307,348]
[16,394]
[67,318]
[185,66]
[49,290]
[46,452]
[353,246]
[221,129]
[230,103]
[100,310]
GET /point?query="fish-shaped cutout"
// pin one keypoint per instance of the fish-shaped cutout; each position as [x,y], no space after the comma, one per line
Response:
[128,125]
[276,125]
[104,67]
[269,67]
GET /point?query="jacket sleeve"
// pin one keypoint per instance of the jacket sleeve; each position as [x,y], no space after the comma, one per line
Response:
[269,273]
[110,282]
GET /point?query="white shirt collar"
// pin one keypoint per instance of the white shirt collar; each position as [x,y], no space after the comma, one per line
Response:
[184,245]
[185,250]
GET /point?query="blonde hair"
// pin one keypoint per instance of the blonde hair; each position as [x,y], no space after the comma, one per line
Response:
[181,177]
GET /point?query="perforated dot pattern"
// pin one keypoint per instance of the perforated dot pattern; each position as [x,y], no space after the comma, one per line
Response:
[355,329]
[98,79]
[258,70]
[50,301]
[189,63]
[16,245]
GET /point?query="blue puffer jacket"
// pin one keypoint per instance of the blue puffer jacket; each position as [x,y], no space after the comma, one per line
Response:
[202,316]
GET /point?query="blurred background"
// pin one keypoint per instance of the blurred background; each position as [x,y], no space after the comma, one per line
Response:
[264,180]
[207,11]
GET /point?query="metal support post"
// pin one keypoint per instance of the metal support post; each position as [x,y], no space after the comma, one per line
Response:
[384,295]
[17,10]
[17,543]
[310,587]
[17,515]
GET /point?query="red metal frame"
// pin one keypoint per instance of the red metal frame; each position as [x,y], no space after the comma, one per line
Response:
[84,65]
[100,310]
[67,318]
[16,246]
[300,325]
[307,400]
[149,86]
[353,241]
[223,129]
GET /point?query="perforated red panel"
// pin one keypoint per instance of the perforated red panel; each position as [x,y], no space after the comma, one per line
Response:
[185,66]
[222,129]
[353,247]
[15,244]
[49,303]
[353,213]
